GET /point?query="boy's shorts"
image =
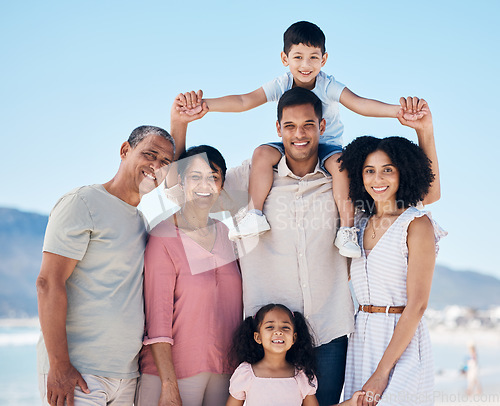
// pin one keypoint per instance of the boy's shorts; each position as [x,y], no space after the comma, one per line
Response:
[325,151]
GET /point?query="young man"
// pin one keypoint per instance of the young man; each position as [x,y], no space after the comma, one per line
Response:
[90,300]
[295,263]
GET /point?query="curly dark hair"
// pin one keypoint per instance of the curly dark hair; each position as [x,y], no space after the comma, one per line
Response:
[300,355]
[415,174]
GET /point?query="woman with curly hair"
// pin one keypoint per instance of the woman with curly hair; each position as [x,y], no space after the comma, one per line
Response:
[389,354]
[277,367]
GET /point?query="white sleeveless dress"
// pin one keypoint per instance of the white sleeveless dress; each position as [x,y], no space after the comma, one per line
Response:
[380,280]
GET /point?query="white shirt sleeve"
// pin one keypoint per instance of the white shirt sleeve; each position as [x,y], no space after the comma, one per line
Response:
[276,87]
[333,89]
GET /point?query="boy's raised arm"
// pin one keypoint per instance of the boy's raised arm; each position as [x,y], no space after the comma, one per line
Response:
[189,102]
[239,102]
[367,107]
[375,108]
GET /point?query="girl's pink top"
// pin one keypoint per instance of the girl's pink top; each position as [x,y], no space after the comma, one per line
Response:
[270,391]
[193,300]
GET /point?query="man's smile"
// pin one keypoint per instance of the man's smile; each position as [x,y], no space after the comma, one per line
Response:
[300,143]
[149,175]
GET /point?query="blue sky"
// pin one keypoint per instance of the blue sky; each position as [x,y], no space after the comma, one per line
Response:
[78,76]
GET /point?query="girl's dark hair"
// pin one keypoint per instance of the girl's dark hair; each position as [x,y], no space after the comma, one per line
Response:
[300,355]
[415,174]
[209,154]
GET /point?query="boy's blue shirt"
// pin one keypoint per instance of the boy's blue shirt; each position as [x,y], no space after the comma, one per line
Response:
[327,89]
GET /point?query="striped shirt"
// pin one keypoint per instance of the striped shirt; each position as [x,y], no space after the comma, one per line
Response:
[380,279]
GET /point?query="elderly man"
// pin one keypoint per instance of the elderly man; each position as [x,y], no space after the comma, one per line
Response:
[296,262]
[90,284]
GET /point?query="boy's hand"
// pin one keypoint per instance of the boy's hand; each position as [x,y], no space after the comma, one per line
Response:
[183,115]
[414,113]
[189,100]
[413,108]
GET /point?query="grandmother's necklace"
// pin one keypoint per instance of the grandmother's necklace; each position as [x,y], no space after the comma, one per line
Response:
[195,228]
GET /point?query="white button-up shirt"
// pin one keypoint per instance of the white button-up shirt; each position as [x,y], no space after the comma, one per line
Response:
[295,263]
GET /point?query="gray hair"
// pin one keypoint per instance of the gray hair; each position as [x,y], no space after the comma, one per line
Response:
[145,130]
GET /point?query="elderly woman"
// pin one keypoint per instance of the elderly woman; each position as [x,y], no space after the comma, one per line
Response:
[193,297]
[389,354]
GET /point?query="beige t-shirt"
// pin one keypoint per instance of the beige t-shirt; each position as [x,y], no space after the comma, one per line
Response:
[105,316]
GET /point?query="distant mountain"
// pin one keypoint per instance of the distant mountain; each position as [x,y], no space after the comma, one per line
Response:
[21,240]
[464,288]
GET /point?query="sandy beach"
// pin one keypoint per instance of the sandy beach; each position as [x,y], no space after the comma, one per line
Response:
[477,400]
[450,350]
[19,337]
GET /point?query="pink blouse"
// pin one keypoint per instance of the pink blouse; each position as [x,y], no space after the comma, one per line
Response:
[270,391]
[193,300]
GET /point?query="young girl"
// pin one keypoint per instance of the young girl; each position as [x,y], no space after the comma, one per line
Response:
[276,356]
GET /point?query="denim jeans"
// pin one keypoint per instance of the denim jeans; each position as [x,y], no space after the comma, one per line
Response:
[331,359]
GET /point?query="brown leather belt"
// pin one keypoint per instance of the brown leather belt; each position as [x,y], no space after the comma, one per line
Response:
[381,309]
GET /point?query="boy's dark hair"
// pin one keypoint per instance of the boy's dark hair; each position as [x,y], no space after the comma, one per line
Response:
[300,355]
[215,159]
[304,32]
[297,96]
[415,174]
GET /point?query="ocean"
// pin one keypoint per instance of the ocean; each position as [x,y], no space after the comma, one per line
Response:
[19,384]
[18,376]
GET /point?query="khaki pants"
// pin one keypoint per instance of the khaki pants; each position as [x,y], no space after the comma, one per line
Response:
[205,389]
[103,391]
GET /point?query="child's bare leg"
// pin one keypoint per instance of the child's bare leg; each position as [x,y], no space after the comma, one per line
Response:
[261,175]
[347,237]
[340,187]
